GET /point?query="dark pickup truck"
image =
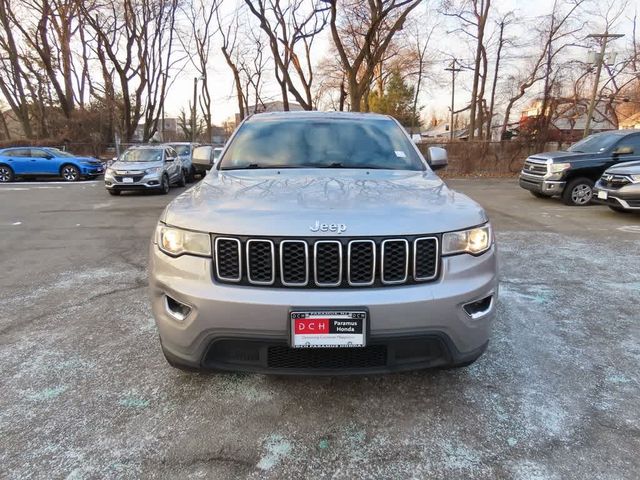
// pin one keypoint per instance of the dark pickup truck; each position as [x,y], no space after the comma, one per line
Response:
[572,174]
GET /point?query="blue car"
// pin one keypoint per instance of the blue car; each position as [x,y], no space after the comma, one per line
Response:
[46,161]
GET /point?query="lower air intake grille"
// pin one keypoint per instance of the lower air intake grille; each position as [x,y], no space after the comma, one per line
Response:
[327,358]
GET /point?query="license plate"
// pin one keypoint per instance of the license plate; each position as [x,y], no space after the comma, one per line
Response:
[127,180]
[602,195]
[328,328]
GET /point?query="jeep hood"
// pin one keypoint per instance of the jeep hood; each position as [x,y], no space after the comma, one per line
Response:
[289,202]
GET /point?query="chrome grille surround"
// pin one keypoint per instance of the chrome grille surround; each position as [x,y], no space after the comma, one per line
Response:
[316,262]
[317,265]
[271,261]
[349,263]
[387,261]
[217,243]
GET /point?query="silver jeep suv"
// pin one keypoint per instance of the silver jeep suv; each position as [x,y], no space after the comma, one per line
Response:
[322,243]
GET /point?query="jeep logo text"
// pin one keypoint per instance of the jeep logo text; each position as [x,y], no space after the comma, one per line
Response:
[328,227]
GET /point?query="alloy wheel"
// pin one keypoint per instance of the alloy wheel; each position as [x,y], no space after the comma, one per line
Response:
[581,194]
[70,174]
[5,175]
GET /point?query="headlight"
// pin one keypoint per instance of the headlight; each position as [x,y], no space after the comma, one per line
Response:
[474,241]
[153,170]
[110,171]
[635,178]
[558,167]
[175,241]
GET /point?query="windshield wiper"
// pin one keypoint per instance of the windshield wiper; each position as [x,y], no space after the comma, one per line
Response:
[249,166]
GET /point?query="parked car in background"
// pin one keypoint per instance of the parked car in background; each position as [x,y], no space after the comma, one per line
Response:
[572,174]
[185,154]
[619,188]
[24,162]
[204,157]
[150,167]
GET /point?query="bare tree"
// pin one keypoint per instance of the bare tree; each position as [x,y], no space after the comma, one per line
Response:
[12,75]
[199,15]
[557,33]
[229,48]
[134,42]
[291,27]
[353,30]
[473,16]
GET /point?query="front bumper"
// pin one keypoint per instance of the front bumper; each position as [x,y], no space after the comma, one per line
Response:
[149,181]
[91,169]
[417,326]
[626,197]
[536,183]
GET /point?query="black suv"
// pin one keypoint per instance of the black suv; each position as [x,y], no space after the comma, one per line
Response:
[573,173]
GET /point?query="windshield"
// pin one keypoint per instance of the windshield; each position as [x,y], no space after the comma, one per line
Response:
[372,143]
[181,150]
[142,155]
[594,143]
[60,153]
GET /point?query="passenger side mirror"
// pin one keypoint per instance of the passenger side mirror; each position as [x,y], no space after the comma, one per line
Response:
[623,151]
[437,158]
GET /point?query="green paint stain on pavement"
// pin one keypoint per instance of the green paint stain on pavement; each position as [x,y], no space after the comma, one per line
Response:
[48,393]
[134,402]
[324,444]
[512,441]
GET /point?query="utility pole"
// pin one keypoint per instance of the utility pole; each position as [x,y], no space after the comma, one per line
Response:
[604,37]
[193,109]
[453,69]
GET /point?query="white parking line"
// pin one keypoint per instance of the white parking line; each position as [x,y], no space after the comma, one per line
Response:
[54,182]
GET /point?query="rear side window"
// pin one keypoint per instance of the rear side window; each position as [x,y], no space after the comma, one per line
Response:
[39,153]
[18,152]
[372,143]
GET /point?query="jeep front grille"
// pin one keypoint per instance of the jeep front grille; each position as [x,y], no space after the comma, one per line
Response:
[325,263]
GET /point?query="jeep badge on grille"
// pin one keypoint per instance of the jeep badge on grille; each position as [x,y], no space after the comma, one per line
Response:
[328,227]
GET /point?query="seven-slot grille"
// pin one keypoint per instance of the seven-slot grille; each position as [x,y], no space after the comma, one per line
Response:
[313,262]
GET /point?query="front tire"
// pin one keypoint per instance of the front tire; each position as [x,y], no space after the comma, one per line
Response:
[578,192]
[164,185]
[182,181]
[190,176]
[6,174]
[70,173]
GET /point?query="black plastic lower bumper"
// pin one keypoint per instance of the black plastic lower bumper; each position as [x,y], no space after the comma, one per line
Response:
[381,355]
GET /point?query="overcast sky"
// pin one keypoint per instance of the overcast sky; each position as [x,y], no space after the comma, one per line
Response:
[435,96]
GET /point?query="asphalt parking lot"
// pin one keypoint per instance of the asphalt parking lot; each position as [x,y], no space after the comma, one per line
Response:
[86,392]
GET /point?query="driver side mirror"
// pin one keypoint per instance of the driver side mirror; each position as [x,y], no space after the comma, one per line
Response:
[623,151]
[437,158]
